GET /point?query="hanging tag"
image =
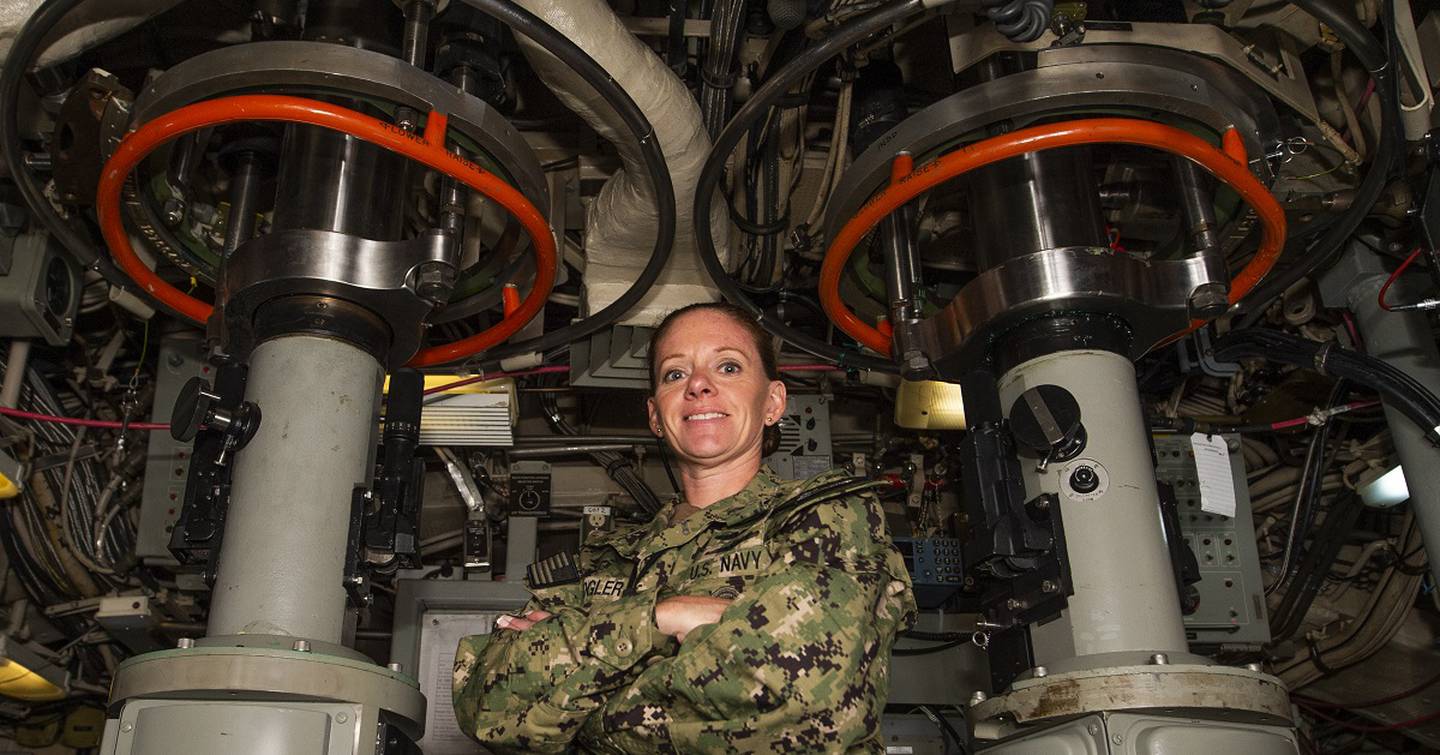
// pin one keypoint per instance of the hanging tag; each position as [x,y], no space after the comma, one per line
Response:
[1213,470]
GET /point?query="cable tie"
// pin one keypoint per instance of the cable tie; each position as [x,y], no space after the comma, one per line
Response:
[1322,355]
[718,82]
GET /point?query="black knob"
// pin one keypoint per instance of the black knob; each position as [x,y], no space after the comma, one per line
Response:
[1084,480]
[1044,417]
[192,410]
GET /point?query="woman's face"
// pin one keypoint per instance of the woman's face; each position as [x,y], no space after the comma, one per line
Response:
[712,400]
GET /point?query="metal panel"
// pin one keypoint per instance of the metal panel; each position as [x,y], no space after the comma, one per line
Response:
[163,727]
[430,618]
[167,461]
[804,438]
[1232,597]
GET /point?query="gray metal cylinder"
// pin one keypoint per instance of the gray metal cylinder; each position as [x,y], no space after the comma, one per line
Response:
[1125,598]
[1404,340]
[283,559]
[1043,200]
[334,182]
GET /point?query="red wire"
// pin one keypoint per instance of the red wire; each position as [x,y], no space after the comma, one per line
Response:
[1417,689]
[1396,276]
[1397,726]
[20,414]
[547,370]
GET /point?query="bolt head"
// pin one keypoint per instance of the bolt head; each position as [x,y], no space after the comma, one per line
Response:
[434,281]
[1160,659]
[978,697]
[1041,672]
[396,667]
[1209,300]
[301,646]
[1014,604]
[1257,668]
[1048,586]
[185,643]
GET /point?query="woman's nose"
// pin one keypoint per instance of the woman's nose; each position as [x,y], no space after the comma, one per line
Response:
[699,385]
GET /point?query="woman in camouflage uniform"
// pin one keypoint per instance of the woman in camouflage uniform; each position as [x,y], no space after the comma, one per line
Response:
[756,615]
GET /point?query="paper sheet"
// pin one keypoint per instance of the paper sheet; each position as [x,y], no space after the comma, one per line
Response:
[1216,476]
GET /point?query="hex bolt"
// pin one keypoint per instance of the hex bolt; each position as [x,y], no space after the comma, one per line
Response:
[127,727]
[434,281]
[1209,300]
[301,646]
[1093,729]
[1041,672]
[341,717]
[1048,586]
[173,211]
[1015,604]
[396,667]
[978,697]
[185,643]
[1160,659]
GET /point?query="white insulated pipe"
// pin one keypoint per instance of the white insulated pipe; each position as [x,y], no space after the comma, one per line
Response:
[622,219]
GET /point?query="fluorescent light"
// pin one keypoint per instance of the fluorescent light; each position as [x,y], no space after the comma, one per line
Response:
[1386,490]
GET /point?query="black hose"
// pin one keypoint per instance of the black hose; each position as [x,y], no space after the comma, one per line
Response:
[1413,400]
[571,54]
[710,176]
[76,239]
[1391,148]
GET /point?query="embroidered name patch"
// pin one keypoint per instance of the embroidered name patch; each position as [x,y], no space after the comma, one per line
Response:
[733,563]
[604,587]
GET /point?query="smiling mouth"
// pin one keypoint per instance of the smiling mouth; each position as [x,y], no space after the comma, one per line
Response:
[705,416]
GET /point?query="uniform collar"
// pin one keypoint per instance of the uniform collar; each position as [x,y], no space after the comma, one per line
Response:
[658,534]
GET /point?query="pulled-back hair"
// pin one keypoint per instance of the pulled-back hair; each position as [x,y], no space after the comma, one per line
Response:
[764,345]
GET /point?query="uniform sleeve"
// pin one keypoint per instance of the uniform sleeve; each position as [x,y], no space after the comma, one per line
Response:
[530,691]
[799,662]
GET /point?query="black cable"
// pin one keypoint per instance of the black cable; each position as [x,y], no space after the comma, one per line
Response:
[80,243]
[947,732]
[1413,400]
[568,52]
[927,650]
[754,109]
[1391,148]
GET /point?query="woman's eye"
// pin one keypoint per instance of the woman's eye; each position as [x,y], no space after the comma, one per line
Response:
[673,375]
[730,368]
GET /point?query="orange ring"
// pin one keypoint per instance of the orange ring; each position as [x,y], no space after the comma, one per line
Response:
[428,150]
[1229,166]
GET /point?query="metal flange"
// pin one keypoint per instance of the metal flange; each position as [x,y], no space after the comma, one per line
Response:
[230,673]
[1241,694]
[1151,83]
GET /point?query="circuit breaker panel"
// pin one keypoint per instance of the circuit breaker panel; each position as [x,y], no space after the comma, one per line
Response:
[1231,606]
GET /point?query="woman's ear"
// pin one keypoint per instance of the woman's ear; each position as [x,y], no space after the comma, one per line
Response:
[775,400]
[654,416]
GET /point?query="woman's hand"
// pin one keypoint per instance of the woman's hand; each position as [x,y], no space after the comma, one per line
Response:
[520,624]
[680,615]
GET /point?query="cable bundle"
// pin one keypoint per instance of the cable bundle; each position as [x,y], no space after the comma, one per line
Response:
[1399,389]
[1020,20]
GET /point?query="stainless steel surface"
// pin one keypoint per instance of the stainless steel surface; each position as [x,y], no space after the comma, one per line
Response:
[903,285]
[1197,197]
[1212,43]
[1145,82]
[335,182]
[1040,201]
[244,196]
[283,561]
[1152,297]
[1220,691]
[238,674]
[380,276]
[335,70]
[1404,340]
[1124,590]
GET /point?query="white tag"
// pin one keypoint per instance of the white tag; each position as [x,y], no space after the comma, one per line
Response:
[1217,479]
[597,510]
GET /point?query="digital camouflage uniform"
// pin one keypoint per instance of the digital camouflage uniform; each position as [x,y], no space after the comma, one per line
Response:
[799,662]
